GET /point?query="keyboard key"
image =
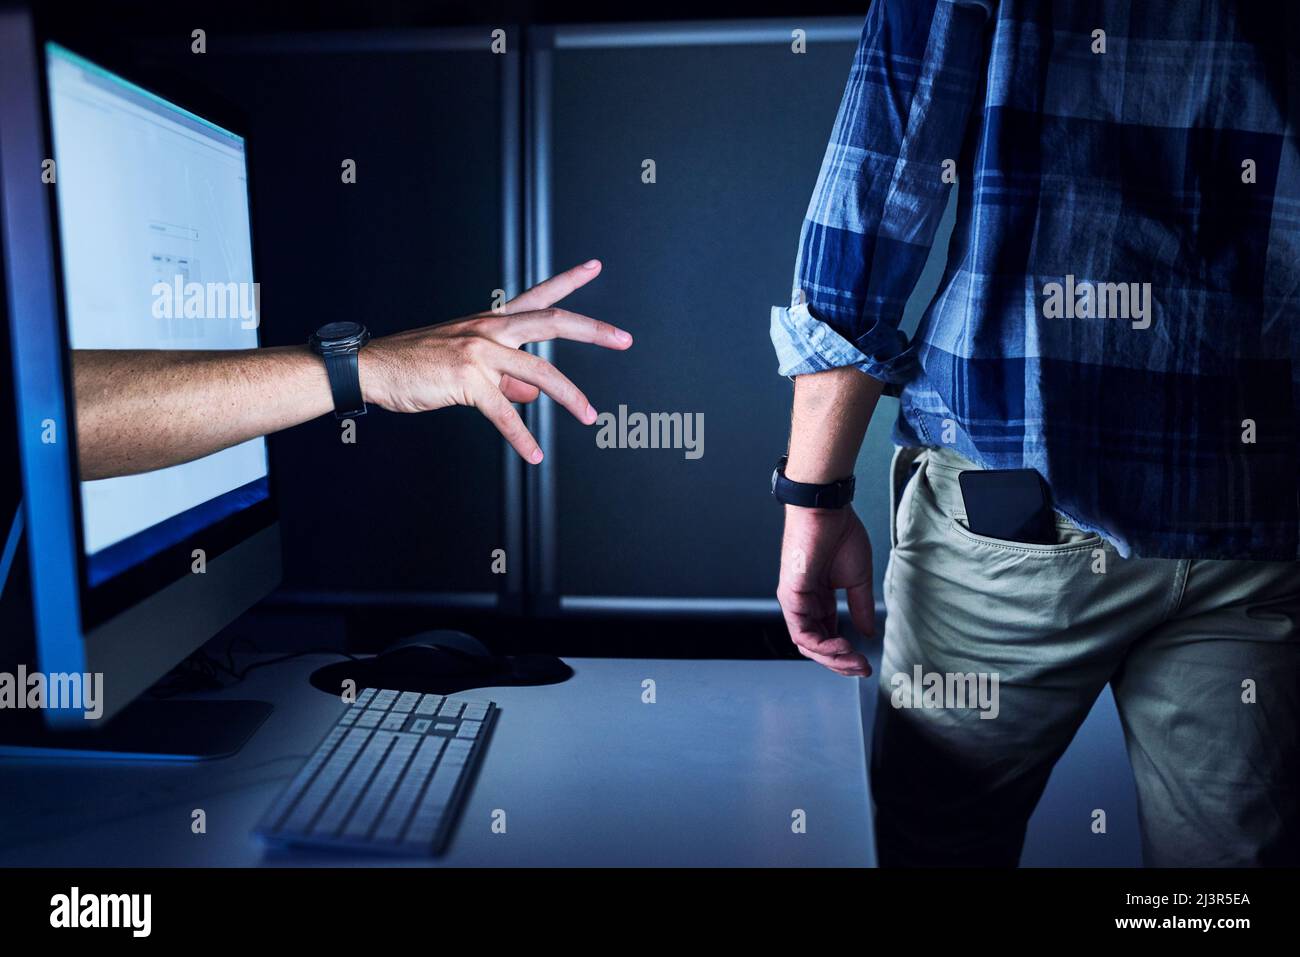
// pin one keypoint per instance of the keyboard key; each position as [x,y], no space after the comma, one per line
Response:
[450,709]
[444,726]
[457,754]
[370,718]
[349,716]
[429,704]
[384,699]
[394,721]
[475,711]
[469,729]
[406,701]
[420,725]
[364,698]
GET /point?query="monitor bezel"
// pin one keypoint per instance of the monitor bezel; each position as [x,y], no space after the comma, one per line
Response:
[100,603]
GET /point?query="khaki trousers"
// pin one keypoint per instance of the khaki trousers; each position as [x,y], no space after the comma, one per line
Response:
[1203,658]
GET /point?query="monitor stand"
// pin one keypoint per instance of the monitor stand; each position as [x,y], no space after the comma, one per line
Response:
[145,730]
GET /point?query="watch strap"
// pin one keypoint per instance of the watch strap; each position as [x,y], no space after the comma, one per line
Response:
[344,373]
[808,495]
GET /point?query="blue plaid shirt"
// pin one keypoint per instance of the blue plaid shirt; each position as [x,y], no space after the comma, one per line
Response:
[1155,159]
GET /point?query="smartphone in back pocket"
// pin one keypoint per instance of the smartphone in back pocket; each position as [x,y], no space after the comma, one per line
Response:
[1010,504]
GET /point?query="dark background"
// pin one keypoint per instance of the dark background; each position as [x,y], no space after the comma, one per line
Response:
[610,552]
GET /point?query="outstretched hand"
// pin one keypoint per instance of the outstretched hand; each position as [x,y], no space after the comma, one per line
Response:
[476,361]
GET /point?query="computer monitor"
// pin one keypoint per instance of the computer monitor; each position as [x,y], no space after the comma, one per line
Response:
[144,198]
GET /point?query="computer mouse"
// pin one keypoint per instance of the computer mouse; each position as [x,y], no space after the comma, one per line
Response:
[444,637]
[441,662]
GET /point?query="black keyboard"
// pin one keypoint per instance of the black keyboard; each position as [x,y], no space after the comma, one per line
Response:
[390,776]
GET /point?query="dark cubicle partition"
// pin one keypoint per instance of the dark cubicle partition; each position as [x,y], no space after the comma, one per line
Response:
[414,509]
[735,119]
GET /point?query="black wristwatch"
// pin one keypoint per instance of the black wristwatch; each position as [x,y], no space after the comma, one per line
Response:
[338,344]
[807,495]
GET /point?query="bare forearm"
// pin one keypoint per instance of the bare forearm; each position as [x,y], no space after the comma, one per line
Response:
[139,410]
[830,417]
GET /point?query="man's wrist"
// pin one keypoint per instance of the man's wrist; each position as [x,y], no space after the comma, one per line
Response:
[369,371]
[815,515]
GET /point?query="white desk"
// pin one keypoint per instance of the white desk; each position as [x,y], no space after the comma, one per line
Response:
[586,773]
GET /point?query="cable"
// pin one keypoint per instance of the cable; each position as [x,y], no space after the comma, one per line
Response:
[203,672]
[11,546]
[239,675]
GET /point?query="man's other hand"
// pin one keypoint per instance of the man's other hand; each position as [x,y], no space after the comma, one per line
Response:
[824,550]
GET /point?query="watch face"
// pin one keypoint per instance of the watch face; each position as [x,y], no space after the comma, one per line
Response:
[339,330]
[339,338]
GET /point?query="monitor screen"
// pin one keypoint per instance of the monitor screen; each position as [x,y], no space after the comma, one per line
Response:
[157,254]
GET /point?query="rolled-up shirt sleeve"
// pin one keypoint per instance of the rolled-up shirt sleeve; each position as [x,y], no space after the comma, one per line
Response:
[881,191]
